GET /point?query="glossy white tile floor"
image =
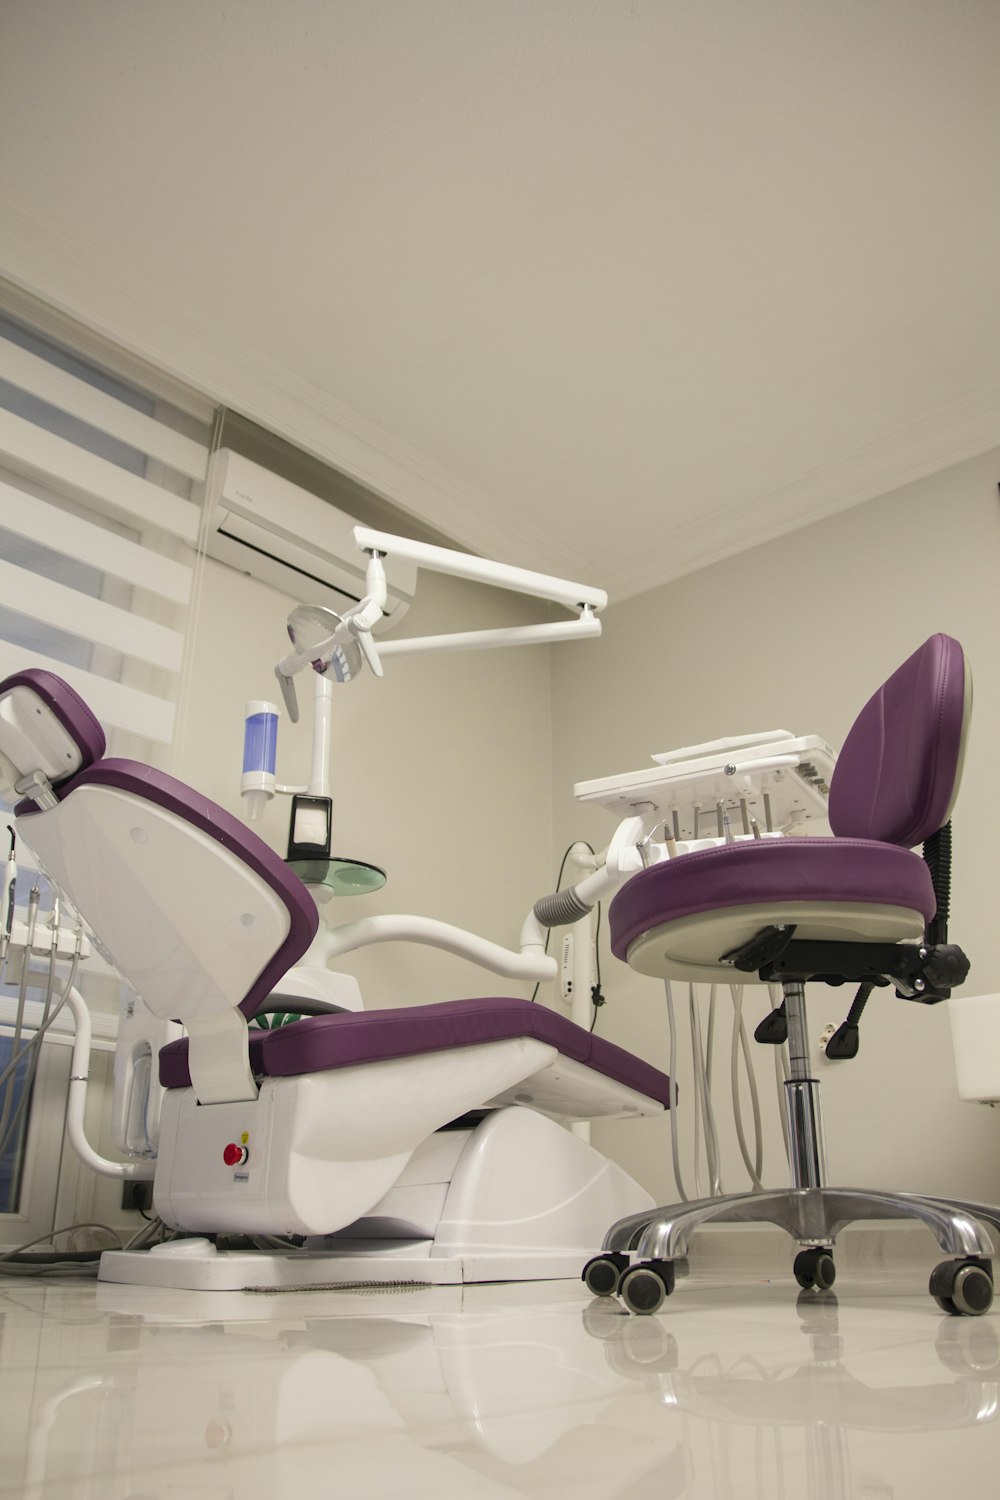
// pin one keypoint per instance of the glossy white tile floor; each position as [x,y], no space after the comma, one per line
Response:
[496,1391]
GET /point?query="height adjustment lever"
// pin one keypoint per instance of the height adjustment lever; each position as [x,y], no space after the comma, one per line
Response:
[773,1030]
[763,948]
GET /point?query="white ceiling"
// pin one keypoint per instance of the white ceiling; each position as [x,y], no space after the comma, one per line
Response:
[605,287]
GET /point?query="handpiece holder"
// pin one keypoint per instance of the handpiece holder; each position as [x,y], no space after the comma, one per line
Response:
[743,787]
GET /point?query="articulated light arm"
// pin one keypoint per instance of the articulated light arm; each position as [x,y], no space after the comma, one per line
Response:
[362,621]
[482,640]
[481,569]
[573,596]
[336,646]
[359,622]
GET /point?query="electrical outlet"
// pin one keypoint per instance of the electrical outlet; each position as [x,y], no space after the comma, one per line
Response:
[137,1196]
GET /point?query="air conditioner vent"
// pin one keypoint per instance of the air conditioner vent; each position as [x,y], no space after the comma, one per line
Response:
[291,539]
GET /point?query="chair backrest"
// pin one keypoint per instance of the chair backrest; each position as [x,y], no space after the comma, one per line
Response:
[194,910]
[897,776]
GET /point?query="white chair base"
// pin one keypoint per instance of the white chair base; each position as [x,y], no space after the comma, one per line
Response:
[400,1264]
[517,1197]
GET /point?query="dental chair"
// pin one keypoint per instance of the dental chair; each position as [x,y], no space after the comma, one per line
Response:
[859,907]
[423,1144]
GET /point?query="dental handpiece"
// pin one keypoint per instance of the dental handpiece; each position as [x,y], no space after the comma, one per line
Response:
[22,992]
[7,896]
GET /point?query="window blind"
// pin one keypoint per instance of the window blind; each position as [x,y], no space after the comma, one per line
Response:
[102,476]
[101,503]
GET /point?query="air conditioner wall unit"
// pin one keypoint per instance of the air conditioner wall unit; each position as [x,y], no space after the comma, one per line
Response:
[293,540]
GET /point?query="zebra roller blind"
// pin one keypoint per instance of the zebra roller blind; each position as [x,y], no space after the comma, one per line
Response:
[101,504]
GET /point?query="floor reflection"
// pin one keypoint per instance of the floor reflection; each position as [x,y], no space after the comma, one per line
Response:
[128,1394]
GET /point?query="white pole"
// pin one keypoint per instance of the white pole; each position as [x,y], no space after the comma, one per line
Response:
[319,779]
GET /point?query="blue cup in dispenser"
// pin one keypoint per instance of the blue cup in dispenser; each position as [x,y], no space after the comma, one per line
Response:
[260,747]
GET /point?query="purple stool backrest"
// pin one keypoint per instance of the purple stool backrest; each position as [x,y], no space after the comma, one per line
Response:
[897,776]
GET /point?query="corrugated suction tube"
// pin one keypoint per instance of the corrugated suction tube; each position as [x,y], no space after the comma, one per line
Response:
[561,908]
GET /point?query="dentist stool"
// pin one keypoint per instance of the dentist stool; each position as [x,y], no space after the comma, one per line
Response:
[861,906]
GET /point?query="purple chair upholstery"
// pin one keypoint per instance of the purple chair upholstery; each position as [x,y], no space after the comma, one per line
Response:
[177,798]
[769,871]
[897,775]
[893,786]
[320,1043]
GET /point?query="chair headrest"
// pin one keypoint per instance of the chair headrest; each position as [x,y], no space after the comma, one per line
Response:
[898,774]
[140,855]
[44,727]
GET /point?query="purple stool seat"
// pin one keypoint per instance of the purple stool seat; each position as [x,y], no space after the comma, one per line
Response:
[770,872]
[321,1043]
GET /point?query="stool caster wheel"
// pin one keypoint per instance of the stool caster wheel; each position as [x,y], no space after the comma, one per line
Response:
[814,1269]
[963,1288]
[646,1287]
[602,1274]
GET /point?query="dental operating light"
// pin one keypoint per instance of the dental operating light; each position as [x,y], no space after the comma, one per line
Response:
[338,646]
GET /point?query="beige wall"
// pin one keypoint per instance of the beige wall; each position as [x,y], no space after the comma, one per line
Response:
[441,771]
[796,634]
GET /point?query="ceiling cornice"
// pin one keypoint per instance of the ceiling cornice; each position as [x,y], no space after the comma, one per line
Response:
[133,314]
[942,439]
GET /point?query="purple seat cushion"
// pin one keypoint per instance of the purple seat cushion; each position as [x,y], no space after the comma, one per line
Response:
[321,1043]
[175,797]
[766,872]
[897,775]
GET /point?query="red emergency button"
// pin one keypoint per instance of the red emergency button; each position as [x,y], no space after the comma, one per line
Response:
[235,1156]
